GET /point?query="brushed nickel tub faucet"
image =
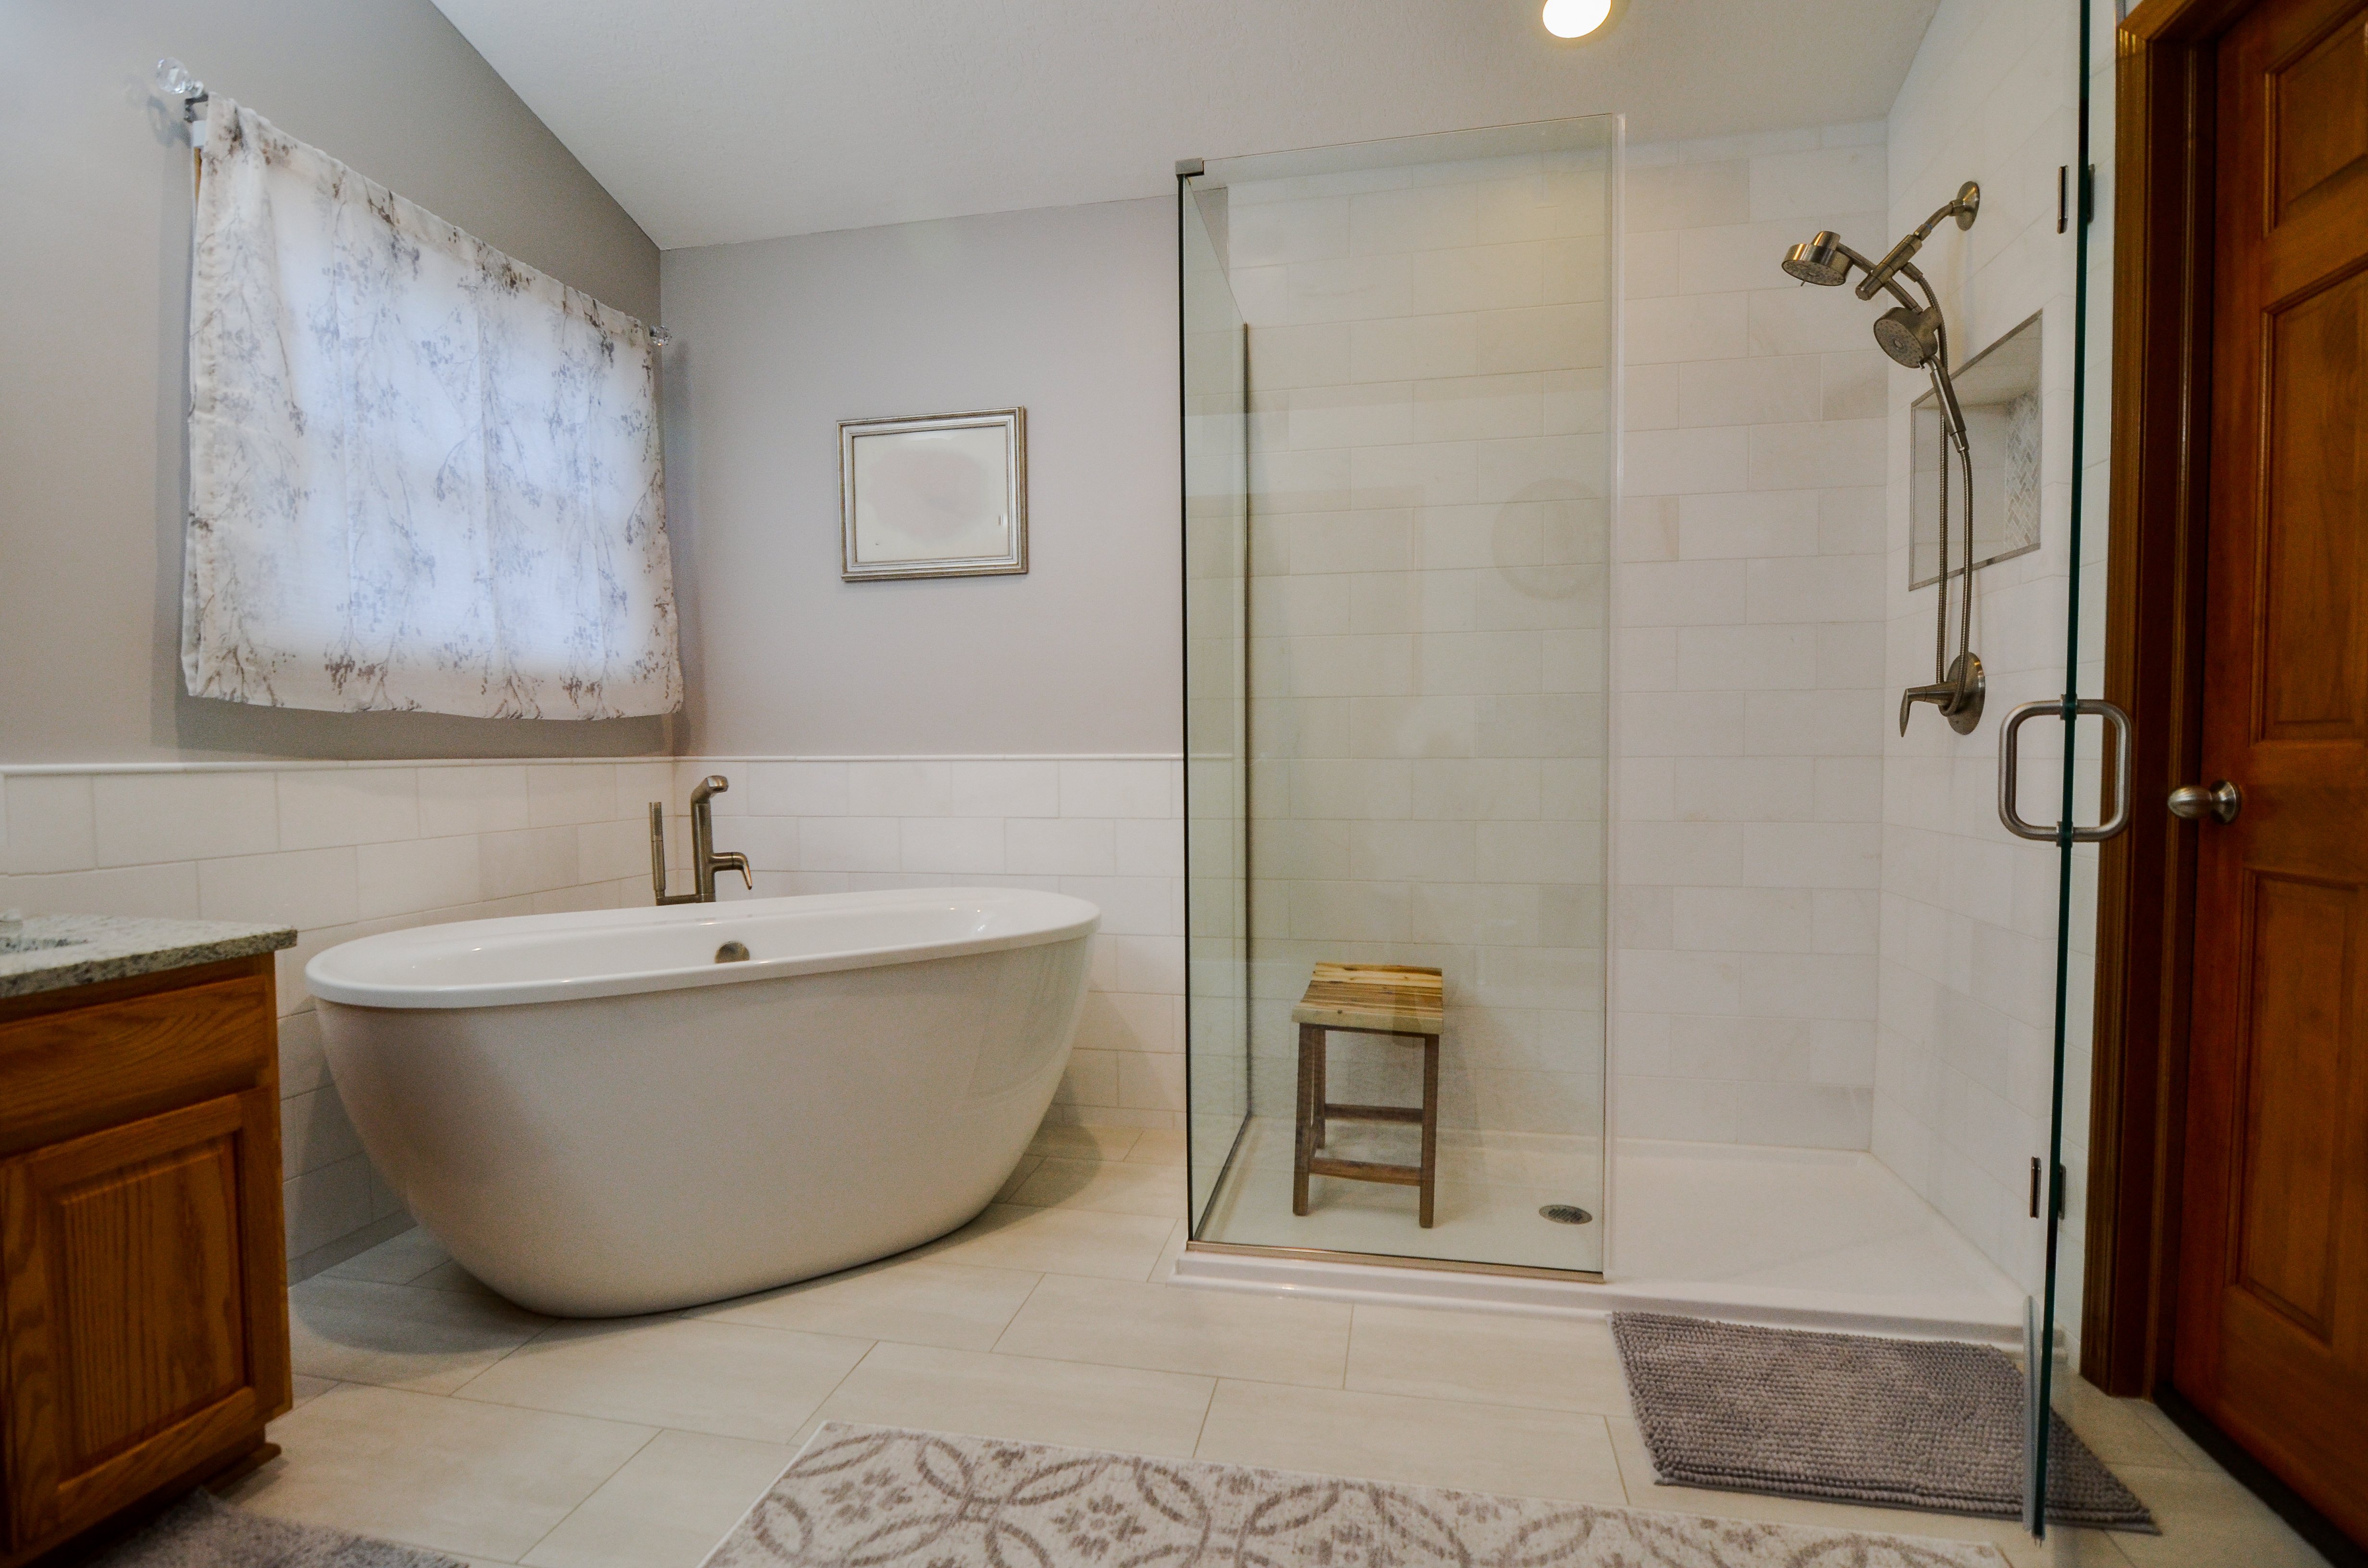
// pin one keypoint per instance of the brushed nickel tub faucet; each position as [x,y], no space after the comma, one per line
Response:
[705,859]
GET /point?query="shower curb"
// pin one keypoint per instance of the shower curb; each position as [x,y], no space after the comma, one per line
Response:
[1528,1296]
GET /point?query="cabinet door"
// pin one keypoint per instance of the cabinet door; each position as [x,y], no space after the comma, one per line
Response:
[144,1331]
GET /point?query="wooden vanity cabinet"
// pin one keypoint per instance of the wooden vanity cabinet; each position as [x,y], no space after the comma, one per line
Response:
[143,1279]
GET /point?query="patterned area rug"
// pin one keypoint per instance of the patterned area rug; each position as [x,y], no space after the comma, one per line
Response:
[1847,1418]
[202,1532]
[886,1498]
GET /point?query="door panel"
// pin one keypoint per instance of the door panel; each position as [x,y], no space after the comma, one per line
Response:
[2312,619]
[2303,936]
[2320,115]
[2272,1328]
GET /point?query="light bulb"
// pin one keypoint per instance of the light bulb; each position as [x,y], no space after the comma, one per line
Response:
[1575,19]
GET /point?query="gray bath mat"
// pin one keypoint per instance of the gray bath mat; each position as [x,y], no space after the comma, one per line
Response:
[888,1499]
[1904,1423]
[202,1532]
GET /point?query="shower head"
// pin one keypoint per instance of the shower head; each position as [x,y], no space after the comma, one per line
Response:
[1909,335]
[1824,261]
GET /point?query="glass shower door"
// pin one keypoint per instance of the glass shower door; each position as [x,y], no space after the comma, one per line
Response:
[1399,394]
[2081,770]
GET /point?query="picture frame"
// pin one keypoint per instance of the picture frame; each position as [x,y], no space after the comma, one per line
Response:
[940,495]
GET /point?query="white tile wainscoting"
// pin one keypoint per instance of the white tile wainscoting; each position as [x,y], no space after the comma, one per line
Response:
[342,850]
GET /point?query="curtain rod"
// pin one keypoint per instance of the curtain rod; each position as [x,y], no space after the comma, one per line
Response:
[174,79]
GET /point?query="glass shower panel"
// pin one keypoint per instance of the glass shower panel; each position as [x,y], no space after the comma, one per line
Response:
[2086,789]
[1428,334]
[1216,699]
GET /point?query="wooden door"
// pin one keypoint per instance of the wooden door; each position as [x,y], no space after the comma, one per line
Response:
[2272,1327]
[140,1284]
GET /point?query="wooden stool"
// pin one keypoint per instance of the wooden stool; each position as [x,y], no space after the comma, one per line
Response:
[1397,1000]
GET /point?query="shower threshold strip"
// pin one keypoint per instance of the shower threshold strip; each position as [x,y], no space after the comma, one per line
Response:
[1398,1260]
[1528,1290]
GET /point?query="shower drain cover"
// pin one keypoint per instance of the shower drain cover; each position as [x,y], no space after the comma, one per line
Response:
[1564,1214]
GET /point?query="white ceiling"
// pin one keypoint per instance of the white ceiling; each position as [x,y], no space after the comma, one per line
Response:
[716,120]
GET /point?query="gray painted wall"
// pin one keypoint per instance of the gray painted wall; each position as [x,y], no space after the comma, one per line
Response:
[93,332]
[1067,312]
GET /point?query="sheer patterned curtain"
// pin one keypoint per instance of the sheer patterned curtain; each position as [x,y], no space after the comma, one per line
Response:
[422,474]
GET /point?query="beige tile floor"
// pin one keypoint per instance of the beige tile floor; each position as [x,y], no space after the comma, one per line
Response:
[432,1412]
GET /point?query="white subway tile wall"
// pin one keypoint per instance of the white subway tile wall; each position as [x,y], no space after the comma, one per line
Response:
[1108,830]
[346,850]
[1968,914]
[1429,352]
[1748,598]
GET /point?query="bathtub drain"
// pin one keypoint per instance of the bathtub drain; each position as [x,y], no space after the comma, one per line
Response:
[732,952]
[1564,1214]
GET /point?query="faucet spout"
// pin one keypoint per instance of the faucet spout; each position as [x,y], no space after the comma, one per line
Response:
[705,859]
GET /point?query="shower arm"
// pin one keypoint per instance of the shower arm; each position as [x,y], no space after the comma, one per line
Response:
[1900,257]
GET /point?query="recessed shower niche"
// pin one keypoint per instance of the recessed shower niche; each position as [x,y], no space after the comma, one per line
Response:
[1999,391]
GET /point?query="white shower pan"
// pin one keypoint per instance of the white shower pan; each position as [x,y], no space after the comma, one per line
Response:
[611,1112]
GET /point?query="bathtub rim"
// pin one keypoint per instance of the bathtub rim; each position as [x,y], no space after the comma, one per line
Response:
[1065,917]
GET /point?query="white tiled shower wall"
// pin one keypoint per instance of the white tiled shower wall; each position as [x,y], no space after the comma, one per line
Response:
[1429,351]
[1969,926]
[1748,670]
[342,850]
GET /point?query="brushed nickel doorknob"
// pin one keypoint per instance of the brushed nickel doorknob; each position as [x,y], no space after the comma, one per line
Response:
[2221,803]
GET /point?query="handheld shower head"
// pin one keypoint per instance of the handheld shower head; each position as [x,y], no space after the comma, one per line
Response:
[1915,336]
[1824,261]
[1909,336]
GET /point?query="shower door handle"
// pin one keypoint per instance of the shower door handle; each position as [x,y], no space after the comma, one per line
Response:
[2009,772]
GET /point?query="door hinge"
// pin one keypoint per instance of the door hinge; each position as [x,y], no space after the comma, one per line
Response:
[2035,1186]
[2063,197]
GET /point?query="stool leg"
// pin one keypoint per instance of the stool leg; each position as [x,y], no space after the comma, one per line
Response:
[1429,1125]
[1322,1052]
[1302,1129]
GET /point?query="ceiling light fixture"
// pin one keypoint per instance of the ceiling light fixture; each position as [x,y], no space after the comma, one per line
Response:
[1575,19]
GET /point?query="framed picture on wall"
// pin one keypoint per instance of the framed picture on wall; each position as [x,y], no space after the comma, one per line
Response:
[940,496]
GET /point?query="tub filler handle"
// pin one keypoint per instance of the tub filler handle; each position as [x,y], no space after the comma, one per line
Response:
[705,859]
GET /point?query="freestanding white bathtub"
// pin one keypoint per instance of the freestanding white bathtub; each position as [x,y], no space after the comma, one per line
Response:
[597,1117]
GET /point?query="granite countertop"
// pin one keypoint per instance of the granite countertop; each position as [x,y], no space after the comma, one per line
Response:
[49,952]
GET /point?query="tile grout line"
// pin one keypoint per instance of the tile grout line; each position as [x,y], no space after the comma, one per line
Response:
[604,1480]
[815,1413]
[1005,1332]
[1348,1349]
[1200,1432]
[1619,1467]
